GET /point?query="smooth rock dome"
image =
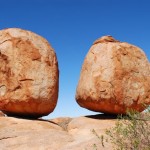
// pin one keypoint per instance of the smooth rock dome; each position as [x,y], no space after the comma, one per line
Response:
[115,76]
[28,74]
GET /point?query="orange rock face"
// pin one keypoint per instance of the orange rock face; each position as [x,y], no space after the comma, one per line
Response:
[28,74]
[115,76]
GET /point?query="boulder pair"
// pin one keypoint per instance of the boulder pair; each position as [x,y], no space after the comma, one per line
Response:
[114,76]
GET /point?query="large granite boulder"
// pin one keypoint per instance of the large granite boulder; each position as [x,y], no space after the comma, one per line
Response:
[28,74]
[115,76]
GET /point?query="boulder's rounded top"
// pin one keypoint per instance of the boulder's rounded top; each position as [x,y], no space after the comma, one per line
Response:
[105,39]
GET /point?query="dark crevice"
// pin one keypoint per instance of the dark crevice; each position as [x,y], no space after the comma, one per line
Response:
[9,137]
[36,59]
[26,80]
[16,88]
[5,41]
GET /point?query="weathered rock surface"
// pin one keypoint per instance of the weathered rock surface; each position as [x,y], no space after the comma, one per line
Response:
[56,134]
[115,76]
[28,74]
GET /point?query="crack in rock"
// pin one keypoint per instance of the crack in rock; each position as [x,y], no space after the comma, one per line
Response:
[9,137]
[26,80]
[5,41]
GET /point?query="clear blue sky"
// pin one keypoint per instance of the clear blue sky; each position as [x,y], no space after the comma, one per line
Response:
[71,26]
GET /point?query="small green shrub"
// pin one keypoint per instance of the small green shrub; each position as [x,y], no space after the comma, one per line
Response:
[131,132]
